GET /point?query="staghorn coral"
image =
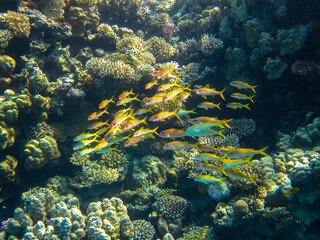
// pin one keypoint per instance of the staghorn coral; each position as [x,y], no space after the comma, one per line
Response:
[110,168]
[111,217]
[122,71]
[210,46]
[142,229]
[18,23]
[7,135]
[7,169]
[171,206]
[40,152]
[98,67]
[161,50]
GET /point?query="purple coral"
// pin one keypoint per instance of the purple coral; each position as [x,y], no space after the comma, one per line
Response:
[168,29]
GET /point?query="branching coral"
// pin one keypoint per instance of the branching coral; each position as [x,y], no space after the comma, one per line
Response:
[160,49]
[18,23]
[210,45]
[142,229]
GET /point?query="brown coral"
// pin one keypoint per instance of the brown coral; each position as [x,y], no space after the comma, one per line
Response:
[160,49]
[17,23]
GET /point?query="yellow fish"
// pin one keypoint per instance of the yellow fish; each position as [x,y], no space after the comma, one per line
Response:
[241,84]
[119,120]
[207,105]
[235,105]
[172,133]
[164,115]
[105,103]
[111,133]
[151,84]
[206,91]
[165,87]
[125,94]
[145,131]
[133,123]
[233,174]
[98,114]
[291,191]
[135,140]
[154,100]
[178,145]
[173,93]
[210,179]
[236,162]
[98,125]
[125,101]
[122,111]
[245,152]
[242,96]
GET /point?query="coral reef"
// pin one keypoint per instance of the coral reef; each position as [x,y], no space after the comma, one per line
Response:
[18,23]
[142,229]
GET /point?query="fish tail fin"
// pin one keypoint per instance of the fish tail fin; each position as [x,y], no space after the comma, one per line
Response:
[221,94]
[136,97]
[176,80]
[250,98]
[247,106]
[222,181]
[204,96]
[262,151]
[249,161]
[253,179]
[193,111]
[145,121]
[220,134]
[155,130]
[111,100]
[253,87]
[218,106]
[225,122]
[175,113]
[130,92]
[196,146]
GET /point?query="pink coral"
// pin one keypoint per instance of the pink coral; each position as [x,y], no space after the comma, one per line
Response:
[168,29]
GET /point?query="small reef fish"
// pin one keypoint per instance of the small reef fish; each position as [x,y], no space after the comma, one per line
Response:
[209,120]
[208,167]
[142,111]
[135,140]
[208,132]
[291,191]
[183,96]
[133,123]
[236,162]
[84,136]
[102,144]
[161,116]
[125,94]
[97,114]
[173,93]
[107,150]
[167,86]
[86,151]
[196,128]
[98,125]
[151,84]
[119,120]
[210,179]
[163,73]
[111,133]
[125,101]
[154,100]
[206,91]
[117,140]
[145,131]
[106,102]
[207,148]
[207,105]
[178,145]
[241,84]
[245,152]
[172,133]
[84,143]
[209,156]
[122,111]
[235,105]
[242,96]
[233,174]
[186,112]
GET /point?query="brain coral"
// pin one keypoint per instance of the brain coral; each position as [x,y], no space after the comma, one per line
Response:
[172,206]
[17,23]
[142,229]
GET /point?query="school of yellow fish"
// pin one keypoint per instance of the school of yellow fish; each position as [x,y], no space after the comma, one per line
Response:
[130,126]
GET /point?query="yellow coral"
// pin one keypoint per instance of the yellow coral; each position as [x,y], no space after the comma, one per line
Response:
[105,31]
[86,2]
[7,135]
[9,111]
[17,23]
[7,169]
[160,49]
[130,42]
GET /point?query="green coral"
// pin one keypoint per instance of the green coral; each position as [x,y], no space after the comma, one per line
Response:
[9,111]
[7,169]
[40,152]
[161,50]
[7,135]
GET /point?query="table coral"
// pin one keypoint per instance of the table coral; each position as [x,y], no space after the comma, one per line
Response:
[40,152]
[18,23]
